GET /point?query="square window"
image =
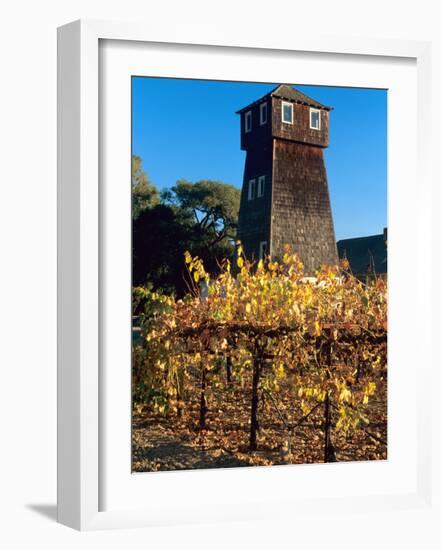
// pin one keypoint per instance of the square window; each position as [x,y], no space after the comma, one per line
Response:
[248,121]
[261,185]
[263,113]
[287,112]
[315,119]
[251,195]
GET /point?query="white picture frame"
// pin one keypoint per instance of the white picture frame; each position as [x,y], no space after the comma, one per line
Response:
[80,270]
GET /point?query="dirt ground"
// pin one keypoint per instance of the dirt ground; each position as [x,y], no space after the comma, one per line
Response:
[171,443]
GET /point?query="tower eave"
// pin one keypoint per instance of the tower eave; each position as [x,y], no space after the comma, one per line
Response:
[285,91]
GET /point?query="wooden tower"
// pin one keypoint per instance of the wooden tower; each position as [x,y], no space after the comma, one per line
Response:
[285,198]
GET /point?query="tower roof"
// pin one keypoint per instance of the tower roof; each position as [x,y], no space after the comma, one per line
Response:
[286,91]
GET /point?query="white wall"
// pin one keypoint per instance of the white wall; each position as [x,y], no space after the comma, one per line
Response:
[28,261]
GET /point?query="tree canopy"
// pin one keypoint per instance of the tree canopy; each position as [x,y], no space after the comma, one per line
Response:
[144,193]
[199,217]
[214,205]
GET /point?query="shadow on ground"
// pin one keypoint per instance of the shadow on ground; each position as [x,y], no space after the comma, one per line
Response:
[174,455]
[49,511]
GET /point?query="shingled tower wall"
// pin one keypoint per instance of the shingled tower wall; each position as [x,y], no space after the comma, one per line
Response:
[285,198]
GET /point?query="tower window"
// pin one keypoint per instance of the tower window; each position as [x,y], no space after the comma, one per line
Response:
[287,112]
[263,113]
[262,250]
[315,119]
[251,189]
[261,185]
[248,121]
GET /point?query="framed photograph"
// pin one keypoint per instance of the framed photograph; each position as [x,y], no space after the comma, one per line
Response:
[234,239]
[259,337]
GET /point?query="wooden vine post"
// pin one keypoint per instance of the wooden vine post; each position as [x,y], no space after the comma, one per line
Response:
[203,402]
[254,425]
[329,451]
[179,393]
[229,370]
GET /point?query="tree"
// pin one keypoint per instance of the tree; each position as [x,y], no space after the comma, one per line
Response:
[200,218]
[160,236]
[144,194]
[214,206]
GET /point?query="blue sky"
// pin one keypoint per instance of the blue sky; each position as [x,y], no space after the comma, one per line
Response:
[188,129]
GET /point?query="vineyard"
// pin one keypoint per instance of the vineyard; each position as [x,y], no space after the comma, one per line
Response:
[260,365]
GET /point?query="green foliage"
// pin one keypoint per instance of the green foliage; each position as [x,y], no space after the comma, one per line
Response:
[214,205]
[199,217]
[148,304]
[144,194]
[160,236]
